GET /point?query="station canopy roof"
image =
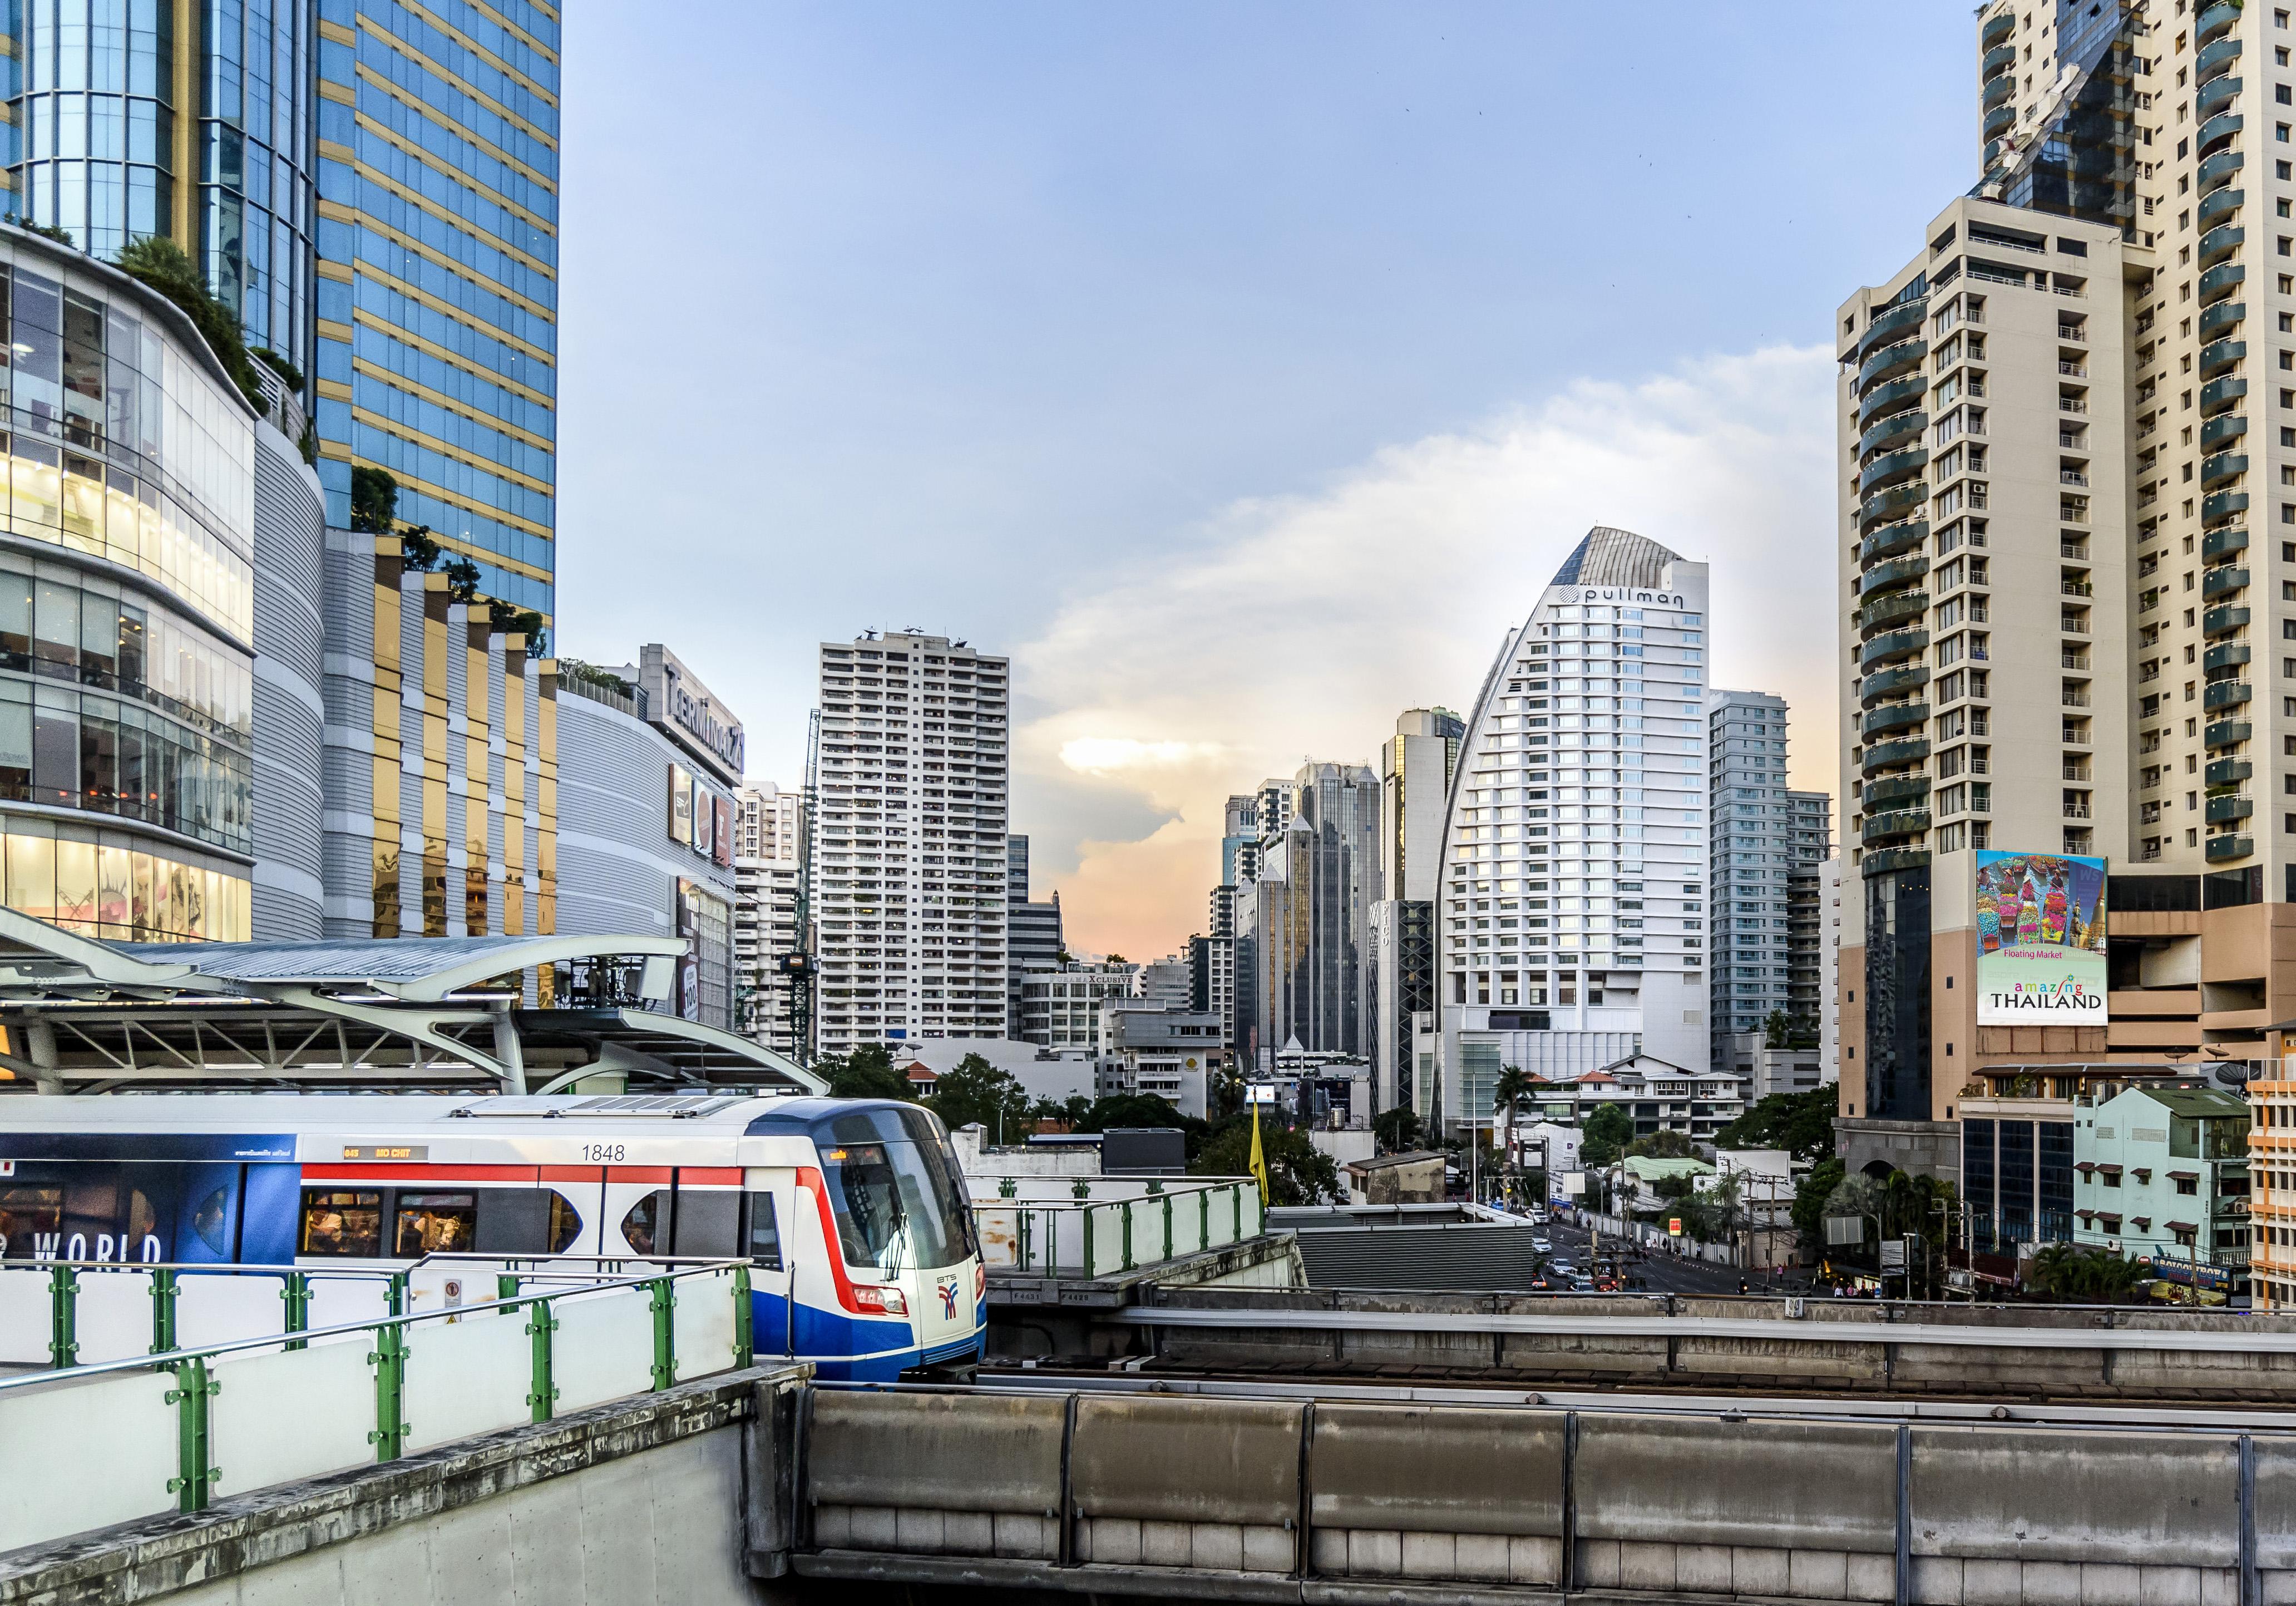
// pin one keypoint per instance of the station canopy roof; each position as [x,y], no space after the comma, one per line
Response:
[82,1014]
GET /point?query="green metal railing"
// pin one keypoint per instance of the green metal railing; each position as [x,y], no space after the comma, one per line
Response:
[1095,1237]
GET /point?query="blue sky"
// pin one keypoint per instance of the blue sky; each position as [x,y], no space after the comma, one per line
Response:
[1242,370]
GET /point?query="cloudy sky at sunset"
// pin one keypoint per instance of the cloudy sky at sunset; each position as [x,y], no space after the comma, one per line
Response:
[1242,371]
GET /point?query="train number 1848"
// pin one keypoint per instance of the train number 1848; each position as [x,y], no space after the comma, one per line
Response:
[602,1154]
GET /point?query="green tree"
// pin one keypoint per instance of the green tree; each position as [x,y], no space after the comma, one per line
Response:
[374,501]
[1396,1129]
[1664,1146]
[160,263]
[2064,1271]
[462,579]
[1801,1124]
[1297,1172]
[867,1073]
[1776,1029]
[1810,1198]
[1604,1137]
[976,1092]
[1134,1110]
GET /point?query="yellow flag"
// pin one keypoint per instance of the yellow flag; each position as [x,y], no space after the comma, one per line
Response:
[1258,1159]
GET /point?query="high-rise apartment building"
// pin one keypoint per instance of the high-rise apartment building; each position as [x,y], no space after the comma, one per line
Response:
[1752,856]
[765,885]
[1572,914]
[1303,924]
[1812,846]
[1033,938]
[2062,424]
[910,894]
[1415,768]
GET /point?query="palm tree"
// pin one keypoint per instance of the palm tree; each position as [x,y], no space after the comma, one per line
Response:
[1512,1088]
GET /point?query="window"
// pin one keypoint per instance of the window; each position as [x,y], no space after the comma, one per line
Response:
[646,1222]
[434,1223]
[336,1223]
[762,1240]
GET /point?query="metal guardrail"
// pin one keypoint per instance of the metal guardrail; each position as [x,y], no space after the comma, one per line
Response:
[1098,1238]
[149,1436]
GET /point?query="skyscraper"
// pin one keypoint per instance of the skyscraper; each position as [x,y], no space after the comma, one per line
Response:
[1572,902]
[1415,768]
[1752,858]
[1033,939]
[766,871]
[1308,914]
[910,889]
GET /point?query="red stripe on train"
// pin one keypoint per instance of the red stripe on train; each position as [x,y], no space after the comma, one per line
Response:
[403,1173]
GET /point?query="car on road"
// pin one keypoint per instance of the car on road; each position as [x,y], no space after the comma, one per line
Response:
[1561,1268]
[1541,1245]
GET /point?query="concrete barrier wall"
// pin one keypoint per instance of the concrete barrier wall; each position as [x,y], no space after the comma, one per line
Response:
[978,1476]
[1197,1496]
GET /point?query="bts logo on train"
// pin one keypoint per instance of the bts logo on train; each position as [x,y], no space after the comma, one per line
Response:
[949,1298]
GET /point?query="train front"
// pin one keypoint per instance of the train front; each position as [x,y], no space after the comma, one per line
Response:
[904,1290]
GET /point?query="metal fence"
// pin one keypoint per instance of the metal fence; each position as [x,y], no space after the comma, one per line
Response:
[1099,1237]
[178,1427]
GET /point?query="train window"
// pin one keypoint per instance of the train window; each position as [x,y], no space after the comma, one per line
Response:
[866,1196]
[211,1220]
[435,1223]
[708,1225]
[31,1222]
[762,1239]
[339,1223]
[565,1222]
[648,1220]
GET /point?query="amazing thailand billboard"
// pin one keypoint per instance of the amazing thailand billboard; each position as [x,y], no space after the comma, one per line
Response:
[2040,940]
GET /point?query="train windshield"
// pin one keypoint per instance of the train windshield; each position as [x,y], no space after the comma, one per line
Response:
[896,1190]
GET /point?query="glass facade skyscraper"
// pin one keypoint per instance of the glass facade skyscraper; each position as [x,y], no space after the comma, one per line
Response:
[192,120]
[438,275]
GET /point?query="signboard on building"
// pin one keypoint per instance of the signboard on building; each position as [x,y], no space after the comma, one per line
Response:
[2040,940]
[681,804]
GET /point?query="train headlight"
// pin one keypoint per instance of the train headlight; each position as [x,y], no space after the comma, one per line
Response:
[979,1280]
[885,1302]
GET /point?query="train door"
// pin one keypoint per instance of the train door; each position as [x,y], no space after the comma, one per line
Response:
[766,1203]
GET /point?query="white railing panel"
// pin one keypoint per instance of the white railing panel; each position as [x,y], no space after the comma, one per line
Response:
[468,1377]
[87,1454]
[1107,1240]
[604,1348]
[702,1325]
[999,1226]
[114,1315]
[340,1300]
[291,1414]
[26,1320]
[220,1309]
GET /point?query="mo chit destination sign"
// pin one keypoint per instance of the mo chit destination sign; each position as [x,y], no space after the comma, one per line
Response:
[2040,940]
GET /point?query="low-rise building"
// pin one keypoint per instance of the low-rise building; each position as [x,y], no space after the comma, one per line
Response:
[1396,1179]
[2162,1174]
[1643,1175]
[1173,1053]
[1059,1004]
[1766,1070]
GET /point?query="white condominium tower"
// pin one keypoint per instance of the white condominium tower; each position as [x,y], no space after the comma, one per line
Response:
[1572,898]
[909,842]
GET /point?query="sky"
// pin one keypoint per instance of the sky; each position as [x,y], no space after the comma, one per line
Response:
[1243,372]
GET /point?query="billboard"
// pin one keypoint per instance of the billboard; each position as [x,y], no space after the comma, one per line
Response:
[2040,940]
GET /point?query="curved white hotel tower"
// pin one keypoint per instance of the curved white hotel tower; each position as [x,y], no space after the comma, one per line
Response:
[1572,903]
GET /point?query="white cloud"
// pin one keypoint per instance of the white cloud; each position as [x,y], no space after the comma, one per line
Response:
[1300,626]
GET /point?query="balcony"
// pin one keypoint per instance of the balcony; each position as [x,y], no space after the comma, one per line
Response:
[2000,113]
[1877,402]
[2216,58]
[2067,697]
[1888,755]
[1903,318]
[1887,860]
[2225,655]
[1894,790]
[2218,170]
[1891,682]
[2229,772]
[1892,469]
[2223,543]
[1995,60]
[1897,824]
[1892,539]
[2220,243]
[1896,644]
[2221,281]
[1886,506]
[2219,396]
[1894,609]
[2077,587]
[1893,573]
[2223,581]
[2076,369]
[2217,133]
[2223,316]
[2078,549]
[2219,505]
[1996,29]
[2229,426]
[1889,432]
[2230,845]
[2225,694]
[1889,362]
[2071,403]
[2224,620]
[2230,807]
[2214,21]
[2222,469]
[1901,716]
[2226,733]
[2215,97]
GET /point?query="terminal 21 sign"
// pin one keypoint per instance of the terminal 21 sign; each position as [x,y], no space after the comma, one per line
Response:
[2040,940]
